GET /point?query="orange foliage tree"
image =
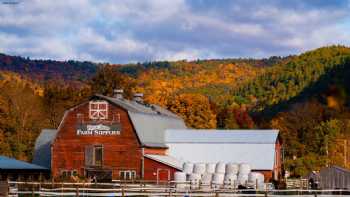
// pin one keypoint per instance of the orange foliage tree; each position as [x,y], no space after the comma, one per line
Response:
[236,117]
[194,109]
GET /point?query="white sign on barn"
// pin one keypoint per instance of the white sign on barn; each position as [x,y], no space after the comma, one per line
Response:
[98,129]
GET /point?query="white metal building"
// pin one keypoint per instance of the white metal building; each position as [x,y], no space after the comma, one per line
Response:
[259,148]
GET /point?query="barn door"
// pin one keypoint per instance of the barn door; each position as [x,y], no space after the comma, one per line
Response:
[94,155]
[89,155]
[163,175]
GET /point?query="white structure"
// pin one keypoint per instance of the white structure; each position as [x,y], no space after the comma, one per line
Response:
[218,178]
[244,168]
[180,179]
[230,179]
[254,147]
[188,167]
[220,167]
[242,179]
[256,179]
[207,178]
[232,168]
[210,167]
[199,168]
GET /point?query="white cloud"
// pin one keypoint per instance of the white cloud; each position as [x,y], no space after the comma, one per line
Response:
[151,11]
[36,48]
[186,54]
[124,31]
[122,44]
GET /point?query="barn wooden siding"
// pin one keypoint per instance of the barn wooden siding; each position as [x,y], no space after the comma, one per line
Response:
[155,151]
[277,171]
[121,152]
[158,171]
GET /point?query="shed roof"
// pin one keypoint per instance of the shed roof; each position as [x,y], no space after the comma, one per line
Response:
[334,177]
[336,168]
[149,121]
[221,136]
[7,163]
[167,160]
[42,149]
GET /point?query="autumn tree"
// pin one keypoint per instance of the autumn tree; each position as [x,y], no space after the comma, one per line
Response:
[59,97]
[313,136]
[21,117]
[194,109]
[235,117]
[296,130]
[330,141]
[5,148]
[108,78]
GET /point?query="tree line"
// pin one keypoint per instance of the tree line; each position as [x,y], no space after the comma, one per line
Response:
[306,97]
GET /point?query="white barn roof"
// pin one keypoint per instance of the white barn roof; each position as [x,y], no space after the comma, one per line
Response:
[150,121]
[256,147]
[167,160]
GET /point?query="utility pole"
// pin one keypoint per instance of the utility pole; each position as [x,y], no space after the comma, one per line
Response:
[345,152]
[327,160]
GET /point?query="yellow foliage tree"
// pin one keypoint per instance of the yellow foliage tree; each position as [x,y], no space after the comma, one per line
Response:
[194,109]
[21,117]
[158,85]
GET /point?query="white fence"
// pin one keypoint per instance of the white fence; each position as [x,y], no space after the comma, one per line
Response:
[149,189]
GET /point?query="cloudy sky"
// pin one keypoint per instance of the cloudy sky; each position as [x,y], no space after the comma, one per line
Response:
[146,30]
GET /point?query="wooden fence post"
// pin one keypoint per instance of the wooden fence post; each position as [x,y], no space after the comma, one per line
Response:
[77,191]
[33,190]
[39,189]
[4,188]
[122,190]
[234,186]
[61,189]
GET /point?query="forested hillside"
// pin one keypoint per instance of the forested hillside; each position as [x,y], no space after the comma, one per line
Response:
[27,107]
[42,70]
[305,96]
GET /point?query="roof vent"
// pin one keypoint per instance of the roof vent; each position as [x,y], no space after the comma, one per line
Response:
[138,97]
[118,93]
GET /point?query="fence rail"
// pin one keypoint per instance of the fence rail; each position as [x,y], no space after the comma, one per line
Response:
[149,189]
[297,183]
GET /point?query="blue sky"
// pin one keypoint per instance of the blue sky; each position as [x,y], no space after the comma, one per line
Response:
[136,31]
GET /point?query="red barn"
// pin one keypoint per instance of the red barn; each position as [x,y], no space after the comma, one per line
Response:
[111,138]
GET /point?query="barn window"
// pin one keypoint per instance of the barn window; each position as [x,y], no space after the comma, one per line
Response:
[127,174]
[94,155]
[98,110]
[66,173]
[98,155]
[74,172]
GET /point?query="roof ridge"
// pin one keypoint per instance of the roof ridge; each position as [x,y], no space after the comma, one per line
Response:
[137,107]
